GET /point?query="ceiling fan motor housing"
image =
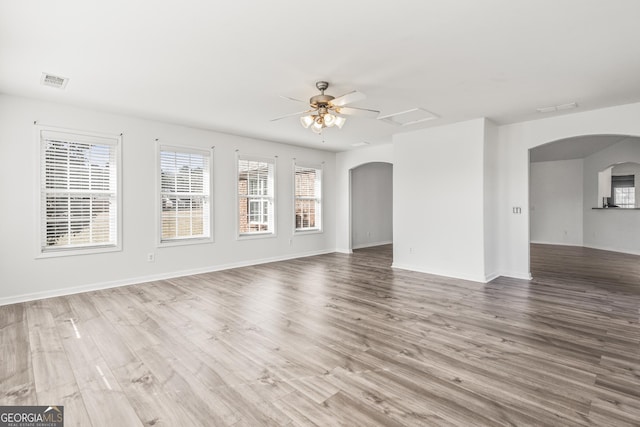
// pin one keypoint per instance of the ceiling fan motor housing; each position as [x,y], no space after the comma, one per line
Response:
[320,100]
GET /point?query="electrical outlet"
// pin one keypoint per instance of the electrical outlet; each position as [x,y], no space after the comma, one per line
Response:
[151,257]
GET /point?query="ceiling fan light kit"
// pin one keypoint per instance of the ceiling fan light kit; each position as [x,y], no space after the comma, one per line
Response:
[306,121]
[329,119]
[320,121]
[325,109]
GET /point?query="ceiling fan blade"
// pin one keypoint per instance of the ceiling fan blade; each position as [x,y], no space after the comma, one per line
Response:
[294,99]
[292,114]
[348,98]
[353,111]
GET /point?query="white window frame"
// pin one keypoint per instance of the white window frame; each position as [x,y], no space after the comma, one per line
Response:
[188,240]
[318,199]
[270,199]
[42,132]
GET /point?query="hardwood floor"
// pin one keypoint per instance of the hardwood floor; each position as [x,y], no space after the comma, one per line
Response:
[338,340]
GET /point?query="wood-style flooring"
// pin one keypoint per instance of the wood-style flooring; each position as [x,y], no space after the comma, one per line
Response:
[338,340]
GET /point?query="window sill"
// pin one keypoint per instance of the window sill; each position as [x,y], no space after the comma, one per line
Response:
[251,236]
[185,242]
[77,251]
[305,232]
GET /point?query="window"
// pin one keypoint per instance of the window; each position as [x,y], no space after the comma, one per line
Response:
[79,195]
[258,212]
[255,196]
[185,210]
[623,191]
[308,196]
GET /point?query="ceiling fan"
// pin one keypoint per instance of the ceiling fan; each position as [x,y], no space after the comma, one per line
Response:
[326,110]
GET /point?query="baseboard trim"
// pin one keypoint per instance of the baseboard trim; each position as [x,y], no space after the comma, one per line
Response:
[344,251]
[584,245]
[454,275]
[151,278]
[609,249]
[370,245]
[516,275]
[540,242]
[490,277]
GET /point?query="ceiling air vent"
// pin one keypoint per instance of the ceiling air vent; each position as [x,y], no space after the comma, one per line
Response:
[553,108]
[409,117]
[54,81]
[360,144]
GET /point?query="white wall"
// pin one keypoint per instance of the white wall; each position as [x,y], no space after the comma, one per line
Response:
[491,199]
[24,277]
[345,161]
[604,186]
[438,189]
[513,162]
[371,205]
[611,229]
[557,202]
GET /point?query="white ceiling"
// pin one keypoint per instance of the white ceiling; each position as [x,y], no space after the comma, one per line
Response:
[222,65]
[578,147]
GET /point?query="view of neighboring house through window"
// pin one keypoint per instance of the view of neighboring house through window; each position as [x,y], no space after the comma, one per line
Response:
[256,196]
[308,196]
[78,190]
[185,194]
[623,190]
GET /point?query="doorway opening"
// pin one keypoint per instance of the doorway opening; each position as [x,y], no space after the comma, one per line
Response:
[371,199]
[575,227]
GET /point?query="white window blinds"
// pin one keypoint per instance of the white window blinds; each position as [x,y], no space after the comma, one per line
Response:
[79,190]
[308,197]
[256,196]
[185,194]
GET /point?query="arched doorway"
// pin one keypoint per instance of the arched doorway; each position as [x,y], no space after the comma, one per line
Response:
[566,199]
[371,205]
